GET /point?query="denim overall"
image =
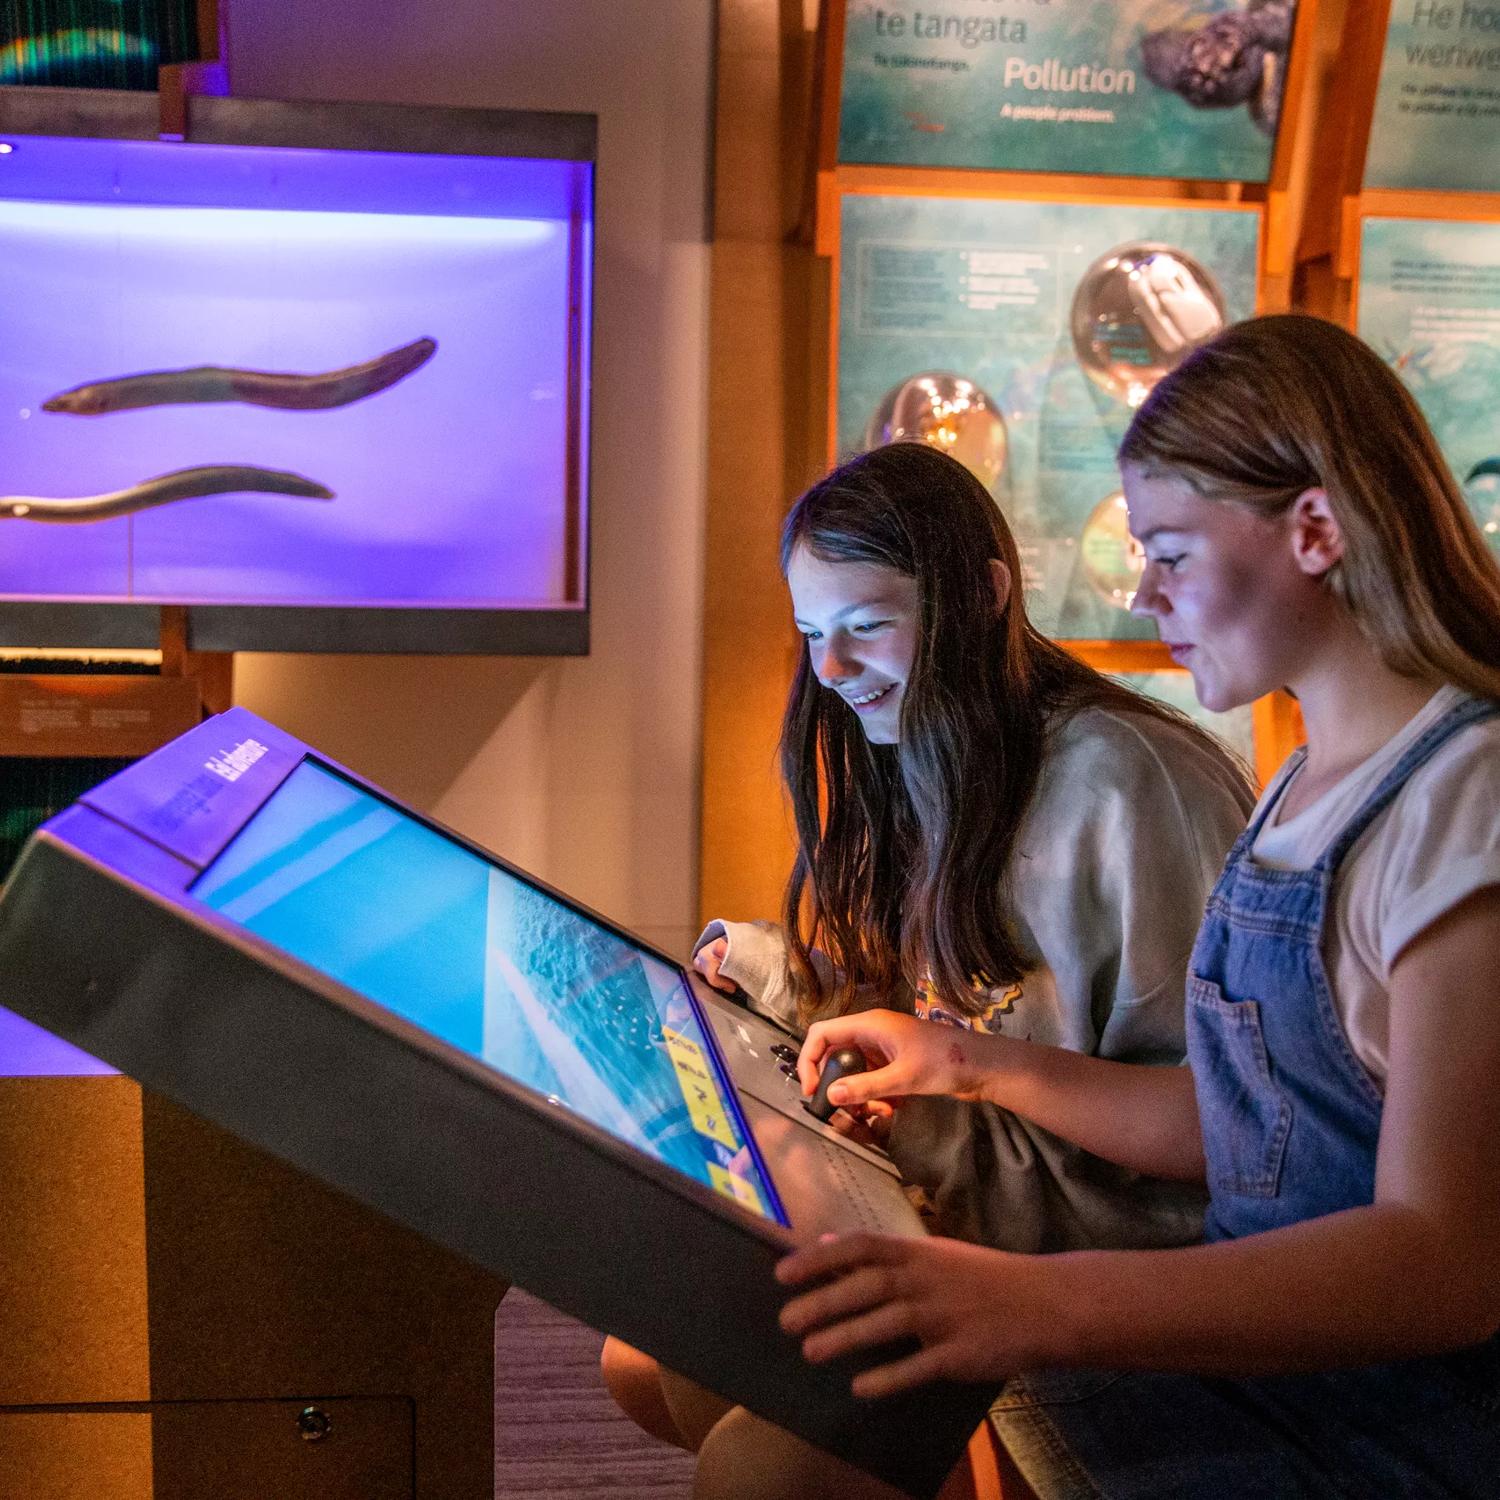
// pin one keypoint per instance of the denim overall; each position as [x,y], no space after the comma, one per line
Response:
[1291,1121]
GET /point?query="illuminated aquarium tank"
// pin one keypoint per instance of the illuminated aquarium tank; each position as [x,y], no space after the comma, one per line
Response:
[317,372]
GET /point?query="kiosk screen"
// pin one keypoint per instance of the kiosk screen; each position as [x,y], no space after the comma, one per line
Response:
[481,958]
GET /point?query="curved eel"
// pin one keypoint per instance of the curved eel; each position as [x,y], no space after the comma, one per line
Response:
[164,489]
[257,387]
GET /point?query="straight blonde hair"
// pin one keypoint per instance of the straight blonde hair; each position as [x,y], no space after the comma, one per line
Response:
[1279,405]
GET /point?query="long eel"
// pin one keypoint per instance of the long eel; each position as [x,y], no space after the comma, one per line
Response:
[257,387]
[164,489]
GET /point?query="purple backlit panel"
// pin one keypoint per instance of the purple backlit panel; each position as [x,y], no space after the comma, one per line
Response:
[450,486]
[26,1051]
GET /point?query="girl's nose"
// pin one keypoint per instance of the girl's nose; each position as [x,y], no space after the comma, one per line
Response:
[1148,599]
[835,666]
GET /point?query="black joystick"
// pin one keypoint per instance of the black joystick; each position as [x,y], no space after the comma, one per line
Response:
[838,1065]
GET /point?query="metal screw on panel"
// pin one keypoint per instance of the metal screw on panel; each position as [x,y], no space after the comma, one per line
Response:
[313,1424]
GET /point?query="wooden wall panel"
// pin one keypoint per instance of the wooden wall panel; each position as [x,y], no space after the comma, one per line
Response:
[73,1307]
[769,315]
[75,1455]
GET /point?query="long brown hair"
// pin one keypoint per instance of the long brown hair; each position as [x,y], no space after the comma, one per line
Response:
[904,850]
[1279,405]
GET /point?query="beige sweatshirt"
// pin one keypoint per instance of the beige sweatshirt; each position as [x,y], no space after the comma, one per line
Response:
[1125,836]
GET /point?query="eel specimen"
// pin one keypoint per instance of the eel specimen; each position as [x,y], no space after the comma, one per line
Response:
[164,489]
[256,387]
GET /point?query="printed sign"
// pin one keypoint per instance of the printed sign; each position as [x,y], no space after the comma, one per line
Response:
[1437,111]
[1429,302]
[107,715]
[1153,88]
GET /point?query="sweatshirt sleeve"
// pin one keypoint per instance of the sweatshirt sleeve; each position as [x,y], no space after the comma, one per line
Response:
[1114,864]
[1113,868]
[1167,817]
[756,959]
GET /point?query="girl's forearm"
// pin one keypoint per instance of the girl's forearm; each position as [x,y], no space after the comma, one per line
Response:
[1144,1118]
[1358,1287]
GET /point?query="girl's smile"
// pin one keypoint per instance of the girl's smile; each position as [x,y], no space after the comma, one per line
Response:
[860,622]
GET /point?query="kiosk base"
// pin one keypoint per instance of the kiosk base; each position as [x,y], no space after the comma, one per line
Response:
[183,1316]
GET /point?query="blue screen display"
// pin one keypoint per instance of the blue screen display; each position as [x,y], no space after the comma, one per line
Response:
[484,960]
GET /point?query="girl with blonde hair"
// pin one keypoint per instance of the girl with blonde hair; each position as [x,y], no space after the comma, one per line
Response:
[1338,1331]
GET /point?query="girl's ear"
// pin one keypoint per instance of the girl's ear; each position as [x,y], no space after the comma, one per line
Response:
[1317,540]
[1000,577]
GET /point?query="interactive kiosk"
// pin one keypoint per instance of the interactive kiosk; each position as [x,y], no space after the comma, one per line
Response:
[278,947]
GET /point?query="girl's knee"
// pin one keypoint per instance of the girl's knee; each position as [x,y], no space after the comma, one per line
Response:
[695,1411]
[634,1380]
[669,1406]
[748,1458]
[619,1362]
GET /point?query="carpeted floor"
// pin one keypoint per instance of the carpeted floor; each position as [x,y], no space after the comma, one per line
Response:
[557,1433]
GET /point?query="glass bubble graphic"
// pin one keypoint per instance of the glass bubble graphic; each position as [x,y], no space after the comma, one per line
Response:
[1113,560]
[1482,491]
[951,413]
[1138,312]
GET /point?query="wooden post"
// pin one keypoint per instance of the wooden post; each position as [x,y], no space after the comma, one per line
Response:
[212,672]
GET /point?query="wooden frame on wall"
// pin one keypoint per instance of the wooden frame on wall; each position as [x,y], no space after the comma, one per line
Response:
[1351,122]
[1363,49]
[1450,208]
[1279,229]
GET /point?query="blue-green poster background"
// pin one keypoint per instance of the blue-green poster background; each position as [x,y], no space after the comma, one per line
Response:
[967,83]
[1437,110]
[907,306]
[1429,303]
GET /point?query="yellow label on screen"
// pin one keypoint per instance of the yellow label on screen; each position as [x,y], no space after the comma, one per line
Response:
[699,1089]
[735,1187]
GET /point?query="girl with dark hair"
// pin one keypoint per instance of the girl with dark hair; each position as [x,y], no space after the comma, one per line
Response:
[1338,1333]
[991,835]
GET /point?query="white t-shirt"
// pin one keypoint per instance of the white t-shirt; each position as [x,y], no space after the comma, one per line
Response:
[1436,844]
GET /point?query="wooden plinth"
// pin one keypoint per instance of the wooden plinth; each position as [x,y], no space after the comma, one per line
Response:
[185,1317]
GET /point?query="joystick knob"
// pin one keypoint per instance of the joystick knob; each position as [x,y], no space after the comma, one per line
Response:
[838,1065]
